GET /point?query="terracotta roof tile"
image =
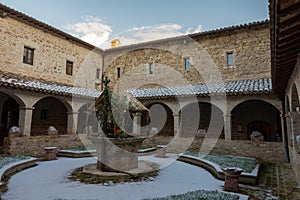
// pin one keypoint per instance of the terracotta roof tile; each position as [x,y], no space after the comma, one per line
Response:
[47,87]
[257,86]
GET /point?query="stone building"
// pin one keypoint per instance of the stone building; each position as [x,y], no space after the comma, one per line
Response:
[46,78]
[217,82]
[224,74]
[285,43]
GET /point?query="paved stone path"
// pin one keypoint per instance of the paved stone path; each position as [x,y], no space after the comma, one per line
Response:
[276,181]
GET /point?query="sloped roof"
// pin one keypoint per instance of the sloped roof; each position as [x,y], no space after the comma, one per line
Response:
[45,27]
[197,36]
[285,42]
[46,87]
[256,86]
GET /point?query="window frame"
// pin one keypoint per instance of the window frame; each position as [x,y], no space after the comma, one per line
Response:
[228,53]
[44,114]
[28,55]
[97,73]
[187,68]
[151,68]
[118,72]
[69,64]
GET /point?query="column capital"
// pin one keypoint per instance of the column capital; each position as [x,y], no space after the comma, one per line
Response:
[72,113]
[137,114]
[294,114]
[226,115]
[26,108]
[176,115]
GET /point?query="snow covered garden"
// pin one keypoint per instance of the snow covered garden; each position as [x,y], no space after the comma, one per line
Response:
[176,180]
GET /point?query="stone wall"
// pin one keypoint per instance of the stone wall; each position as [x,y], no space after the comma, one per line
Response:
[251,49]
[50,55]
[295,160]
[263,151]
[293,118]
[34,145]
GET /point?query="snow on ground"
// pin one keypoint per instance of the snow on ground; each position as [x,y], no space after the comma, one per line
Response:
[49,180]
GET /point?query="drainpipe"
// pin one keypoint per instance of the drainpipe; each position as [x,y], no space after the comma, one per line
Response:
[285,135]
[102,71]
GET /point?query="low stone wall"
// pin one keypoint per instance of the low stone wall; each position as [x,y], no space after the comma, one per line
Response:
[34,145]
[263,151]
[295,161]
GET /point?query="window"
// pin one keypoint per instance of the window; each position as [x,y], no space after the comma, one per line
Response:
[97,73]
[44,114]
[118,72]
[69,68]
[187,64]
[229,59]
[151,68]
[28,55]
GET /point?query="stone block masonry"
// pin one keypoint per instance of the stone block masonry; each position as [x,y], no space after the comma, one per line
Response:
[263,151]
[34,145]
[250,48]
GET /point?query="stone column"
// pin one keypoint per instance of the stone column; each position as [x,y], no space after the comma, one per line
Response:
[25,119]
[227,126]
[177,118]
[295,122]
[288,125]
[137,122]
[72,122]
[1,109]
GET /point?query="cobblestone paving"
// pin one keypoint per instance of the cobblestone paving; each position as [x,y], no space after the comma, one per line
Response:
[276,181]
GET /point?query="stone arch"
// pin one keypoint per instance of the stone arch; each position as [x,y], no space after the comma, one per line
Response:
[295,99]
[62,100]
[49,111]
[273,102]
[203,117]
[87,119]
[161,117]
[287,104]
[9,113]
[256,115]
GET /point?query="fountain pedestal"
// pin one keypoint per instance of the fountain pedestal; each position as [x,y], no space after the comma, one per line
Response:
[232,175]
[117,154]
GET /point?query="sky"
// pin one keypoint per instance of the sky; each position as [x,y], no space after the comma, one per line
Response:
[135,21]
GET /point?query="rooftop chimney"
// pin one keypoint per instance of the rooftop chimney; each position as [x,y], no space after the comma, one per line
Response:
[115,43]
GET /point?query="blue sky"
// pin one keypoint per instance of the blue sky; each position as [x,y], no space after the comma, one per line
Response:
[133,21]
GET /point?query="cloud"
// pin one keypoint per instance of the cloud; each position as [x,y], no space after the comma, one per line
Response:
[94,31]
[146,33]
[91,30]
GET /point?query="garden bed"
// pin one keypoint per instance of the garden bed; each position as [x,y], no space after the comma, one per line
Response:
[201,195]
[80,152]
[146,149]
[12,164]
[215,163]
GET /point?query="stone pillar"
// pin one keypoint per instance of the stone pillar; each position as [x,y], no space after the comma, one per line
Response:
[1,109]
[137,122]
[177,118]
[25,119]
[227,126]
[295,122]
[72,122]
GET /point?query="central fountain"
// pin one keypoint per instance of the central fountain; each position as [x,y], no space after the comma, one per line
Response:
[117,149]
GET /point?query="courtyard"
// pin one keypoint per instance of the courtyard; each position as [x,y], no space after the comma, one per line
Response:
[166,111]
[51,181]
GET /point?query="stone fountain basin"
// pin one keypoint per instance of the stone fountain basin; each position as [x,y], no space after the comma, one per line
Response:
[117,154]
